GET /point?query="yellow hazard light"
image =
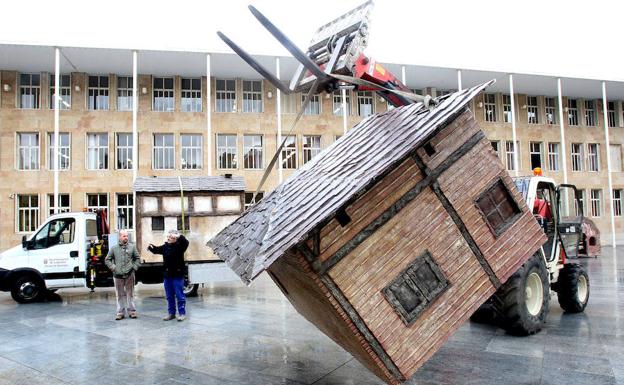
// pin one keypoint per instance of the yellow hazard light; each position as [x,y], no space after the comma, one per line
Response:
[537,171]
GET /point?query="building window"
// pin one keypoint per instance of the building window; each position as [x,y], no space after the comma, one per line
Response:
[289,103]
[506,108]
[97,202]
[125,211]
[163,99]
[249,199]
[191,95]
[252,96]
[289,152]
[313,107]
[29,90]
[311,147]
[498,207]
[535,153]
[590,113]
[611,114]
[27,213]
[164,151]
[64,152]
[496,147]
[337,102]
[551,116]
[617,203]
[615,152]
[593,157]
[64,204]
[27,151]
[581,200]
[65,92]
[225,97]
[98,93]
[365,103]
[252,152]
[124,93]
[192,157]
[415,288]
[440,93]
[183,226]
[553,156]
[572,112]
[158,224]
[226,151]
[595,199]
[532,110]
[490,107]
[97,151]
[576,153]
[510,152]
[124,151]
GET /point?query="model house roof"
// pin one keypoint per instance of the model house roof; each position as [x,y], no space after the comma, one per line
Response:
[189,183]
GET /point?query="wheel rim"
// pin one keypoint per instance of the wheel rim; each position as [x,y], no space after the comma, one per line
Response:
[188,287]
[583,289]
[534,294]
[28,290]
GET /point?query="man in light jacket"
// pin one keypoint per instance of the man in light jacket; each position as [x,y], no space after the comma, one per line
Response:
[123,260]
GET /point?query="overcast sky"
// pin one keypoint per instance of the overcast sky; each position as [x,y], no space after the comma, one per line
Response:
[565,38]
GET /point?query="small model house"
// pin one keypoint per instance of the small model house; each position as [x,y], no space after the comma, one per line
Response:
[392,237]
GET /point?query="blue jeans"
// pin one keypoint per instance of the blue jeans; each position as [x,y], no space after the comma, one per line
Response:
[174,288]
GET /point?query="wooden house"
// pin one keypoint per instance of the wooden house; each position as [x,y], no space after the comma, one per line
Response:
[392,237]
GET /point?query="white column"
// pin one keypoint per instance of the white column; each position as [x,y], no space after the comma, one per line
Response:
[135,132]
[403,80]
[344,111]
[57,118]
[208,114]
[459,80]
[608,151]
[514,137]
[278,109]
[564,162]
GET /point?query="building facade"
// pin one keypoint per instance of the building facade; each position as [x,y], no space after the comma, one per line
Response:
[207,114]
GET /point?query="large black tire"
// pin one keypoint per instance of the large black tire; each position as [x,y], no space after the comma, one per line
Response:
[522,302]
[573,288]
[28,289]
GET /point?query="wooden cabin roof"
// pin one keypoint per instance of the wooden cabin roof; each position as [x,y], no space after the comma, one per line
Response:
[189,183]
[331,180]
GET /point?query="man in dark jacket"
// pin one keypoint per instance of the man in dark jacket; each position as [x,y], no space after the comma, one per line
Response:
[173,261]
[123,260]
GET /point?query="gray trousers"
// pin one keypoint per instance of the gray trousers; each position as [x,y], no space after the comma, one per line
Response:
[124,289]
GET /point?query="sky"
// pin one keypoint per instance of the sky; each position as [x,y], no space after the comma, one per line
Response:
[550,37]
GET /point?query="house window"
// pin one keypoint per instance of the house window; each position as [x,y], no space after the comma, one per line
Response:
[498,207]
[252,96]
[158,224]
[226,151]
[29,90]
[535,153]
[289,103]
[572,112]
[551,116]
[337,102]
[553,156]
[64,204]
[183,226]
[27,151]
[64,153]
[124,151]
[611,114]
[490,107]
[192,158]
[124,93]
[311,147]
[125,211]
[191,95]
[365,103]
[532,110]
[313,107]
[162,94]
[590,113]
[27,213]
[440,93]
[416,288]
[506,108]
[65,92]
[576,153]
[289,152]
[98,93]
[164,151]
[615,152]
[97,151]
[252,152]
[581,200]
[96,202]
[595,199]
[496,147]
[593,157]
[510,153]
[225,97]
[617,203]
[249,199]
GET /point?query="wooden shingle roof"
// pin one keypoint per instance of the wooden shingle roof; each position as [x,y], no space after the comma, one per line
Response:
[333,178]
[189,183]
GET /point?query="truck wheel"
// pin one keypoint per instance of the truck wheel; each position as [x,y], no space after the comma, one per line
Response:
[190,289]
[27,289]
[573,288]
[522,302]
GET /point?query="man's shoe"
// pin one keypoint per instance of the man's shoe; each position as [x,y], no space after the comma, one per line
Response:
[119,317]
[132,315]
[181,318]
[169,317]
